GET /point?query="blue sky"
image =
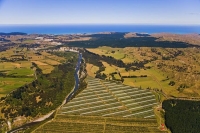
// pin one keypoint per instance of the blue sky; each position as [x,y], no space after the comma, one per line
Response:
[172,12]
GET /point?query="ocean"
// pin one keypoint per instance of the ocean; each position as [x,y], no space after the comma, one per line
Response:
[76,29]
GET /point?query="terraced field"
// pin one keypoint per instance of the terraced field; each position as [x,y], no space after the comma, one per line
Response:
[106,107]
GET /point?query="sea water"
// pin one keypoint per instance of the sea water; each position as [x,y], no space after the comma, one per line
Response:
[75,29]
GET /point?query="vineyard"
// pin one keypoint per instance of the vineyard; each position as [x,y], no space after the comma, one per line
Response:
[103,98]
[97,124]
[106,107]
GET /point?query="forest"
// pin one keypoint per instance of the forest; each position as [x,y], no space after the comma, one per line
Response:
[182,116]
[118,40]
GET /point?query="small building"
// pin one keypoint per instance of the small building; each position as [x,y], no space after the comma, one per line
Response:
[39,38]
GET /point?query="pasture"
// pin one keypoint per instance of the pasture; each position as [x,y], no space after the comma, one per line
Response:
[16,67]
[45,61]
[9,84]
[165,65]
[108,51]
[14,75]
[91,69]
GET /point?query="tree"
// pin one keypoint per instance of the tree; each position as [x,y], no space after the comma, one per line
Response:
[172,83]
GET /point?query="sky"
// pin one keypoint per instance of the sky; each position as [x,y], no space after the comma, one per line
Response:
[162,12]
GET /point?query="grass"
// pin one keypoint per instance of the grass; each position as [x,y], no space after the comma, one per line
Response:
[113,52]
[7,53]
[117,76]
[6,66]
[50,62]
[162,70]
[39,63]
[46,61]
[111,68]
[152,80]
[98,124]
[155,77]
[128,60]
[91,69]
[29,41]
[21,70]
[9,84]
[53,57]
[46,68]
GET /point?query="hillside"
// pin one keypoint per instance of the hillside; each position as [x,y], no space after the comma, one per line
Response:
[193,39]
[187,38]
[173,71]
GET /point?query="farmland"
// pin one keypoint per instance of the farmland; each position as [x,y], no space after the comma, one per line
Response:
[174,71]
[96,124]
[91,69]
[27,96]
[16,67]
[13,73]
[117,53]
[106,107]
[9,84]
[104,98]
[132,76]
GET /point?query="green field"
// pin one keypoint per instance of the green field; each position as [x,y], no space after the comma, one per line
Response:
[108,51]
[17,71]
[9,84]
[16,74]
[21,72]
[141,82]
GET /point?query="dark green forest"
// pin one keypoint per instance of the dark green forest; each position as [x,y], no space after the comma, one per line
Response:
[182,116]
[118,40]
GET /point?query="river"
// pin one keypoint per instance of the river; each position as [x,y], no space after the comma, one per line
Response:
[76,78]
[28,125]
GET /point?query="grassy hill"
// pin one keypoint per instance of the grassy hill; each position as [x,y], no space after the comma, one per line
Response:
[162,66]
[16,67]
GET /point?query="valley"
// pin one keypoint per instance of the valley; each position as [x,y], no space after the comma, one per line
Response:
[50,86]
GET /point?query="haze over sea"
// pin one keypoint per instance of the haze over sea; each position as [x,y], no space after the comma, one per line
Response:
[75,29]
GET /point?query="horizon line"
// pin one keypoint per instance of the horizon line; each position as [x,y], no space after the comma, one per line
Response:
[145,24]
